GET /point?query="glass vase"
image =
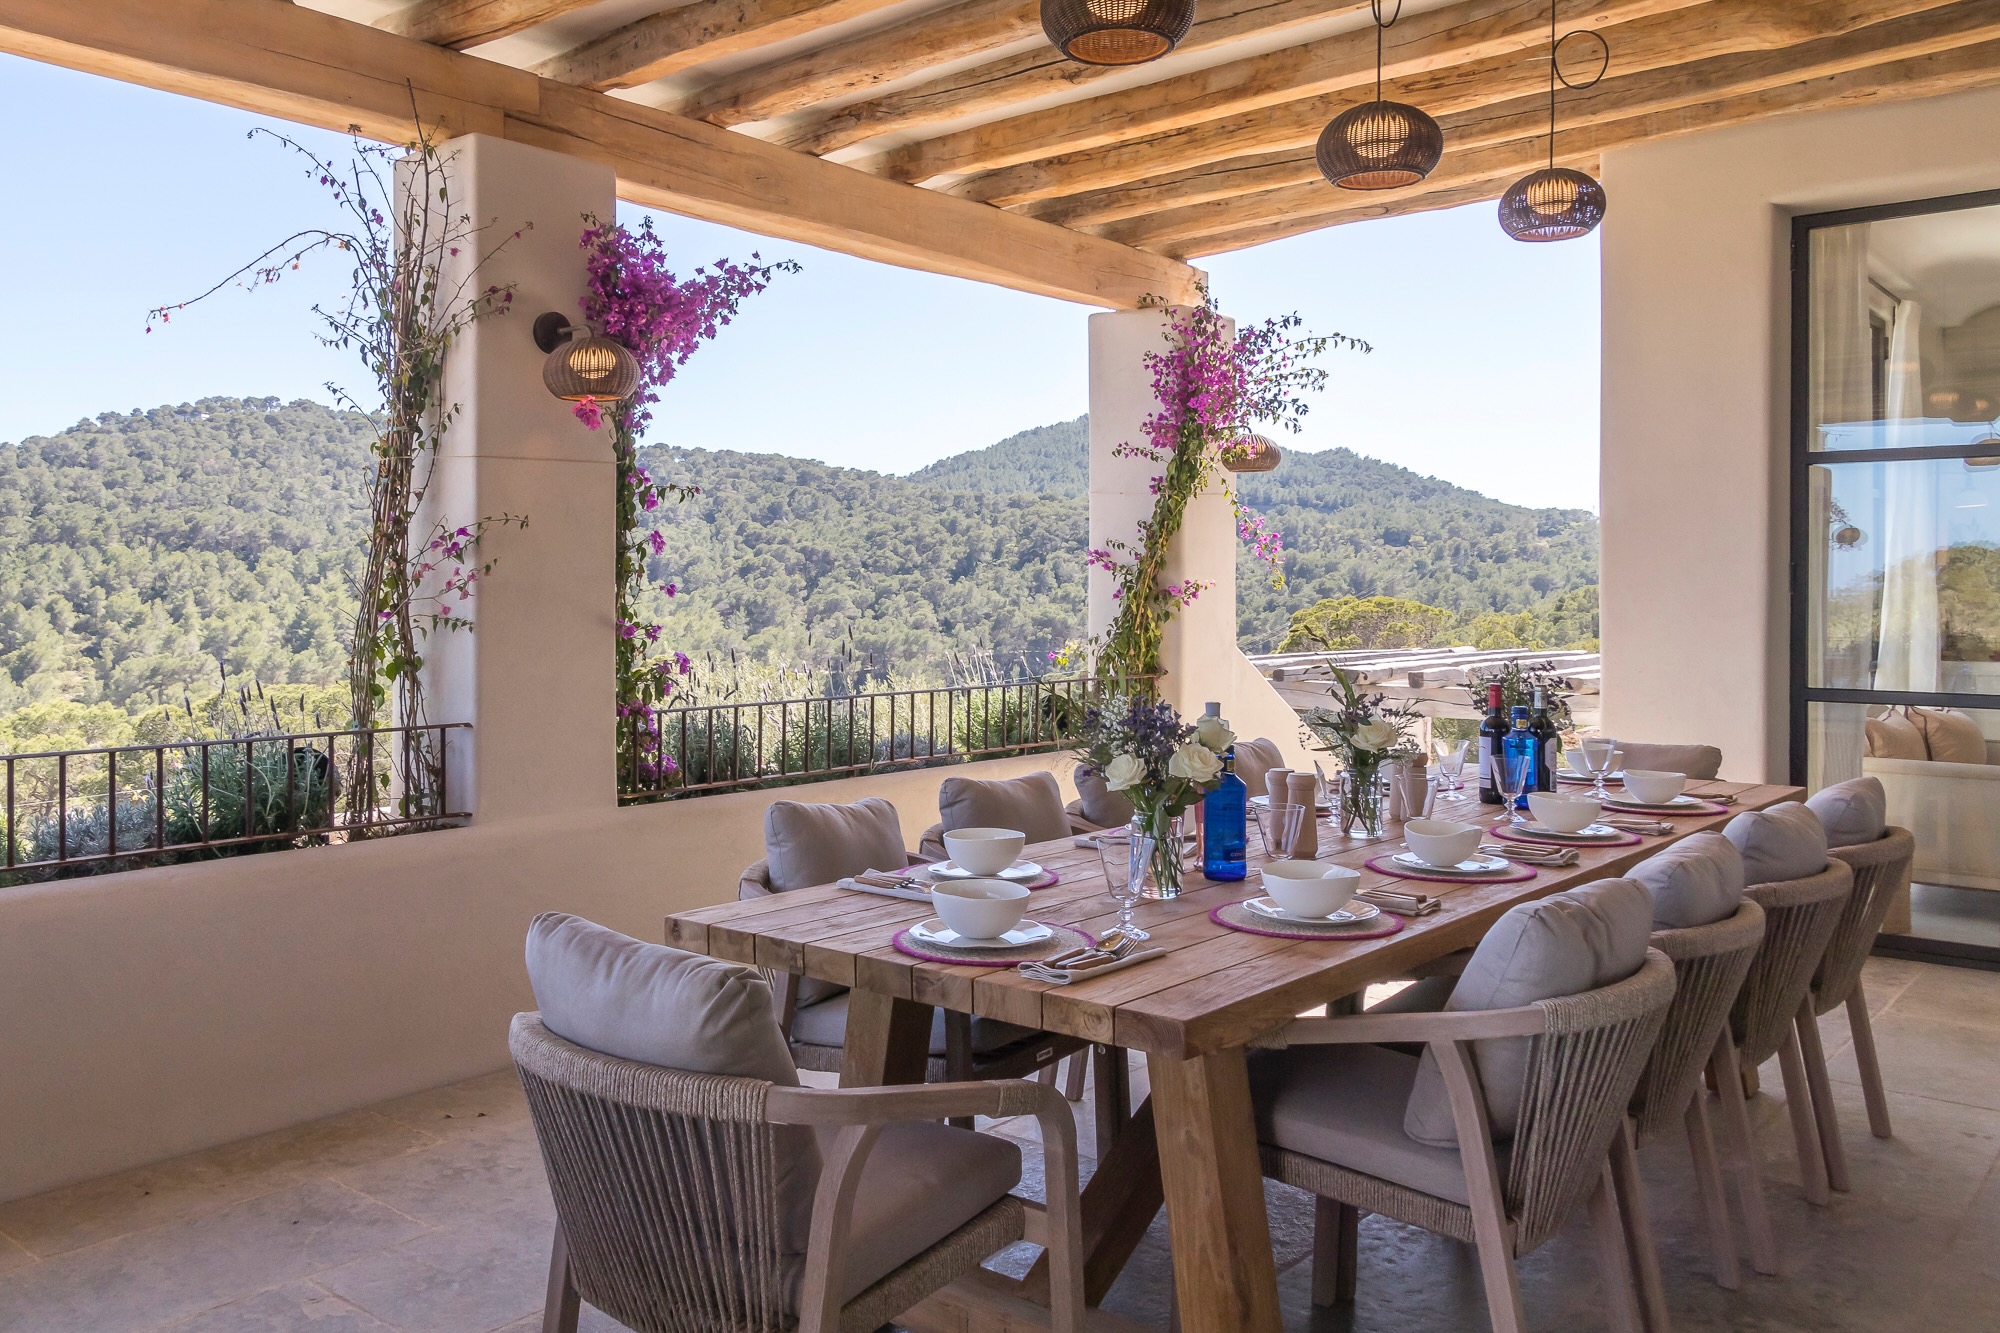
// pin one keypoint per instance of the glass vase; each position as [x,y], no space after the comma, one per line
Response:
[1360,804]
[1163,869]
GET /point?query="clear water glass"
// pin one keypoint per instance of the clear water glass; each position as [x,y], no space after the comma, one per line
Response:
[1126,860]
[1451,764]
[1599,753]
[1515,774]
[1279,827]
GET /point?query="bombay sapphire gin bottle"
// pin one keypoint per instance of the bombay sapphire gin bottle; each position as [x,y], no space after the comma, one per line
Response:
[1223,824]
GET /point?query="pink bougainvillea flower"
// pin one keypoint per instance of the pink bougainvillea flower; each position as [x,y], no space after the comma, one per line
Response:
[588,412]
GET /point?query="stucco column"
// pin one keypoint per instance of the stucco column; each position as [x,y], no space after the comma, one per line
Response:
[534,675]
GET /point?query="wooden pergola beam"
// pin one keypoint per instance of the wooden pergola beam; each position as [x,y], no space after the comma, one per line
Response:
[317,69]
[662,44]
[1255,219]
[462,23]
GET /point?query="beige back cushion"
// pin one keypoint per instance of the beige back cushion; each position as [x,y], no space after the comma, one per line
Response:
[1783,843]
[1853,812]
[1032,803]
[1101,805]
[1894,737]
[660,1006]
[1255,758]
[1696,881]
[1950,737]
[1564,944]
[1699,762]
[808,844]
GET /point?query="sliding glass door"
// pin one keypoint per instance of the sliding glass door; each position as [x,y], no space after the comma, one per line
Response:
[1896,541]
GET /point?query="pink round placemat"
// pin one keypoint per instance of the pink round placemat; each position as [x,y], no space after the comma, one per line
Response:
[1048,880]
[1655,812]
[1235,916]
[1507,833]
[1062,940]
[1519,874]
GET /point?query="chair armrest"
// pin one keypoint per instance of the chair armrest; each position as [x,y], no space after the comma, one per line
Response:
[1444,1026]
[996,1099]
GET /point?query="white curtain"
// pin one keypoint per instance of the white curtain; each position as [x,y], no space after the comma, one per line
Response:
[1907,648]
[1842,380]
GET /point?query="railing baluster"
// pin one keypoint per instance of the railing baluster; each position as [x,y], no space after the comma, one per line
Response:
[62,807]
[160,796]
[11,826]
[111,801]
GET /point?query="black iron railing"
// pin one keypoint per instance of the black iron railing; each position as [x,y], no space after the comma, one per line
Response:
[731,746]
[76,811]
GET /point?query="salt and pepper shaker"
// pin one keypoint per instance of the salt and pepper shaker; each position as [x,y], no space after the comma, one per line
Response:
[1301,789]
[1276,784]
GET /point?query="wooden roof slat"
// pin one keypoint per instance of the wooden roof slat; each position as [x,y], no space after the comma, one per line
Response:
[662,44]
[867,61]
[462,23]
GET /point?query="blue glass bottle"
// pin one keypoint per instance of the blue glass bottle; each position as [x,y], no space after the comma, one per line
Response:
[1522,748]
[1223,829]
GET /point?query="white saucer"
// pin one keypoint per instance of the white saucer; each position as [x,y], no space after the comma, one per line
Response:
[1681,802]
[1588,833]
[1351,913]
[1324,807]
[935,931]
[1021,871]
[1478,865]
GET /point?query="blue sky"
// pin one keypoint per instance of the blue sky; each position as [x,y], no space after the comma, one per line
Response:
[1484,370]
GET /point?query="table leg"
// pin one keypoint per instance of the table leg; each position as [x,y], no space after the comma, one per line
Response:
[888,1040]
[1119,1203]
[1113,1101]
[1224,1275]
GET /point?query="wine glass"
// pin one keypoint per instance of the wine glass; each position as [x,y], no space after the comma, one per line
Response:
[1599,753]
[1125,861]
[1451,763]
[1279,826]
[1515,774]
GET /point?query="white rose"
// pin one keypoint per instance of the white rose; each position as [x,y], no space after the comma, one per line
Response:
[1374,736]
[1124,771]
[1214,733]
[1197,763]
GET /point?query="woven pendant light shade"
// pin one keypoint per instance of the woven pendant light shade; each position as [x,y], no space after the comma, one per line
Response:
[590,367]
[1116,32]
[1553,204]
[1379,146]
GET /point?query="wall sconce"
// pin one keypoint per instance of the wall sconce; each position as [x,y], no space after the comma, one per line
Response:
[582,365]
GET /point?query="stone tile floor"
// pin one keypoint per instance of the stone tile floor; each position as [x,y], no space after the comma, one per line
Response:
[429,1215]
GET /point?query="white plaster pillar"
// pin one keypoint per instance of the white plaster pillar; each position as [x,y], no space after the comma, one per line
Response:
[534,675]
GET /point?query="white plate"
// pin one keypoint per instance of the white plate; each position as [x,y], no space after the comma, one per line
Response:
[1680,802]
[935,931]
[1323,807]
[1478,865]
[1571,775]
[1351,913]
[1588,833]
[1022,871]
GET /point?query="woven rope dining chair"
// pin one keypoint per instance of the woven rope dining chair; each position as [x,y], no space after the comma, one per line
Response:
[1881,869]
[666,1187]
[1586,1054]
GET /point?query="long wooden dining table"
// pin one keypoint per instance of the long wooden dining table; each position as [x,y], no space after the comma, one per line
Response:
[1191,1143]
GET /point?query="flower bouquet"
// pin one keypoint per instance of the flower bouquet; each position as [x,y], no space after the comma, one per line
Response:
[1160,764]
[1360,733]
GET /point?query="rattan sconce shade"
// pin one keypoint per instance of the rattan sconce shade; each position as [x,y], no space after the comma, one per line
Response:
[1379,146]
[1116,32]
[590,367]
[1553,204]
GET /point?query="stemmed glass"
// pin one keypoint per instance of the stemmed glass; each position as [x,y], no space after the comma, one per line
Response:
[1515,773]
[1599,753]
[1279,826]
[1125,861]
[1451,763]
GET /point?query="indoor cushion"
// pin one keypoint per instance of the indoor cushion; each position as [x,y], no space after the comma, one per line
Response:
[1696,881]
[825,1024]
[1031,804]
[808,844]
[1344,1104]
[1698,762]
[1894,736]
[1564,944]
[661,1006]
[1255,758]
[1852,812]
[1101,805]
[1783,843]
[921,1182]
[1950,737]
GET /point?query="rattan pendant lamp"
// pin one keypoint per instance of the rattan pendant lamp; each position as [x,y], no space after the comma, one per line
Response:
[1379,145]
[1556,203]
[1116,32]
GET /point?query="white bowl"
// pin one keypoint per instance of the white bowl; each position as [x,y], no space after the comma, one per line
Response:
[1649,788]
[980,909]
[1310,888]
[1562,812]
[1441,842]
[984,851]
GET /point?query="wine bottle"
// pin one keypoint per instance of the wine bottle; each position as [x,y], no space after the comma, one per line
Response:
[1224,832]
[1492,735]
[1519,750]
[1546,742]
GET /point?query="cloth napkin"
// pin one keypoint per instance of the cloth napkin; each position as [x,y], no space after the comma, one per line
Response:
[1532,856]
[1628,824]
[1092,965]
[887,884]
[1397,902]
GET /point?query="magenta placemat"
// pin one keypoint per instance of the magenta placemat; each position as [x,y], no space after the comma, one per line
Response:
[1508,833]
[1062,941]
[1519,874]
[1655,812]
[1235,916]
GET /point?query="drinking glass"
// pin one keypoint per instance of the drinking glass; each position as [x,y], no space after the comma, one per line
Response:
[1516,774]
[1599,753]
[1279,826]
[1451,763]
[1125,861]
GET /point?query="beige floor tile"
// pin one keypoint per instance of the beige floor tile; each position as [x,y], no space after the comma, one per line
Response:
[1952,995]
[1948,1061]
[296,1307]
[489,1271]
[460,1108]
[12,1256]
[487,1171]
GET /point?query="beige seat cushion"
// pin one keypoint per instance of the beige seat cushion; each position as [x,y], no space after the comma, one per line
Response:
[1564,944]
[825,1024]
[1100,805]
[1782,843]
[1696,881]
[921,1182]
[1950,737]
[1255,758]
[1031,803]
[1894,736]
[1344,1104]
[807,844]
[1853,812]
[1698,762]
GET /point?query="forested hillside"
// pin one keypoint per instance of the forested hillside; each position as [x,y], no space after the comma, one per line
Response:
[148,552]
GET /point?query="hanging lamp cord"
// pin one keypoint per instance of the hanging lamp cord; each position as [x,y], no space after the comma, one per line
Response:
[1552,85]
[1381,26]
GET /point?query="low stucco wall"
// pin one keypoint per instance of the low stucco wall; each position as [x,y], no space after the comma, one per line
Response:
[155,1012]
